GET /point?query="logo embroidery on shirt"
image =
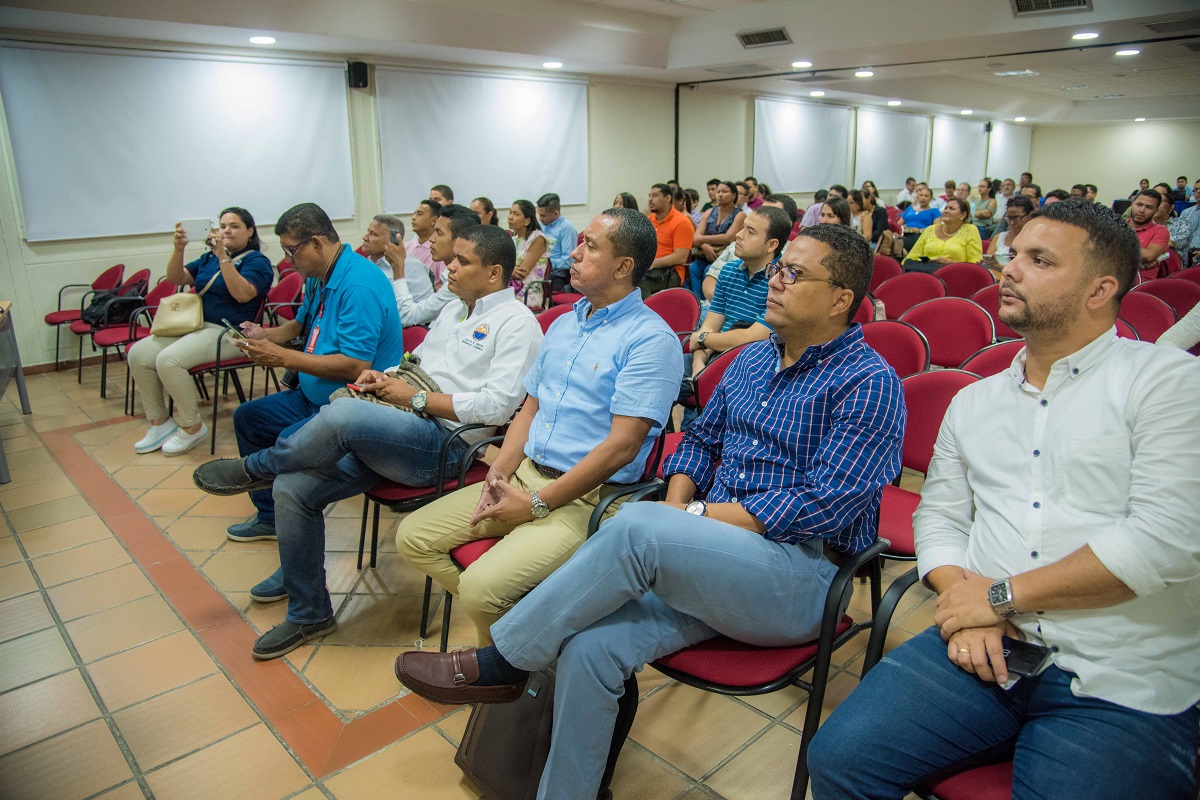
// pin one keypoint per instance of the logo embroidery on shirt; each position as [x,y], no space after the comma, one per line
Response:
[481,332]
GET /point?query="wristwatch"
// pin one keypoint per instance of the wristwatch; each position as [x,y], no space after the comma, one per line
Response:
[697,507]
[418,401]
[700,339]
[1000,597]
[540,509]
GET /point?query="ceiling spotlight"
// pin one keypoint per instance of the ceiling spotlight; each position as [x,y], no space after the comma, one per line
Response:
[262,40]
[863,73]
[553,65]
[1131,52]
[801,64]
[893,102]
[966,112]
[816,94]
[1079,37]
[1018,119]
[1140,119]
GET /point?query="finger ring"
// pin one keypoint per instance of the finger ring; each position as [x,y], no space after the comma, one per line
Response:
[964,649]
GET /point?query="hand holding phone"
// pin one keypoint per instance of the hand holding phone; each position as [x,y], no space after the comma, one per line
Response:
[235,332]
[1025,659]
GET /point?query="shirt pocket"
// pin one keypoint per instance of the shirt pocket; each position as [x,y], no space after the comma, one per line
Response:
[1098,473]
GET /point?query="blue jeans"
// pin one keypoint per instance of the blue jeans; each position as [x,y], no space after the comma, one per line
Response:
[262,421]
[342,452]
[654,579]
[696,272]
[916,718]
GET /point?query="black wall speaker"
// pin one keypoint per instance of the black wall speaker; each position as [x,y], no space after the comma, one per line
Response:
[357,73]
[987,127]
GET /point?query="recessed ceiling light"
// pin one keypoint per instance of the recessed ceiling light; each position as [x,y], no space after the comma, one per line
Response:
[1074,88]
[553,65]
[1014,73]
[863,73]
[1079,37]
[1140,119]
[801,64]
[262,40]
[893,102]
[1018,119]
[1131,52]
[966,112]
[816,94]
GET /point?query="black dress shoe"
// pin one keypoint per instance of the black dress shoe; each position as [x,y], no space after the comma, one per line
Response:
[227,476]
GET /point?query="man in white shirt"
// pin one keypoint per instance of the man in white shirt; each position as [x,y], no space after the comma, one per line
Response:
[389,229]
[477,352]
[1062,506]
[422,222]
[908,193]
[451,221]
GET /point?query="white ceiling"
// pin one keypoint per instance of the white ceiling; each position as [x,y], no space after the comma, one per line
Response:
[944,54]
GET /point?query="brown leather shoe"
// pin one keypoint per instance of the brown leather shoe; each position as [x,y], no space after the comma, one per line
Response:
[446,678]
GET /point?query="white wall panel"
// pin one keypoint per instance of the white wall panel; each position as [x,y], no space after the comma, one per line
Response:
[800,147]
[890,147]
[959,151]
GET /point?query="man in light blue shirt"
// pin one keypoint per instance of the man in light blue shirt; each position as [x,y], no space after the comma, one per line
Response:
[555,226]
[1188,230]
[600,393]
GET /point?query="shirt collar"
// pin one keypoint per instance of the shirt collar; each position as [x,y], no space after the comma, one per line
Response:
[493,300]
[820,353]
[618,309]
[1074,365]
[339,268]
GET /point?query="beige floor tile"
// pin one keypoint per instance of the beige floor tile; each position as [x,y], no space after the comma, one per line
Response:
[920,617]
[43,514]
[42,709]
[100,592]
[169,502]
[79,562]
[641,775]
[392,574]
[30,458]
[378,619]
[777,703]
[186,719]
[252,765]
[45,492]
[128,791]
[669,724]
[16,580]
[455,725]
[22,615]
[33,474]
[238,571]
[764,769]
[64,535]
[179,479]
[419,766]
[312,793]
[201,533]
[237,505]
[69,767]
[838,689]
[354,678]
[264,616]
[10,553]
[152,668]
[650,679]
[19,445]
[136,476]
[43,423]
[32,658]
[123,627]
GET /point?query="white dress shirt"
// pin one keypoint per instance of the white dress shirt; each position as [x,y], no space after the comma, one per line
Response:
[1106,455]
[481,359]
[417,279]
[905,194]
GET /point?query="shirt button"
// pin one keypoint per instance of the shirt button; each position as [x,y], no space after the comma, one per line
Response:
[1044,402]
[559,394]
[1053,647]
[764,403]
[569,364]
[1075,371]
[755,441]
[548,428]
[1036,453]
[1036,504]
[741,475]
[1033,554]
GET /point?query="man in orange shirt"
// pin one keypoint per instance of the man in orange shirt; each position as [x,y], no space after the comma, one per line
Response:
[675,233]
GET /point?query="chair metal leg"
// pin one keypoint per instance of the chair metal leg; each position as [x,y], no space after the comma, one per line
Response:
[237,387]
[362,542]
[425,600]
[57,336]
[103,373]
[216,403]
[79,364]
[876,577]
[375,536]
[883,618]
[448,601]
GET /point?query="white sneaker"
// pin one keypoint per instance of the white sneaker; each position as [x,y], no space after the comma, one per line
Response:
[156,436]
[183,441]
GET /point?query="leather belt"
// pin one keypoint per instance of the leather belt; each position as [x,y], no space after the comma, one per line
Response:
[547,472]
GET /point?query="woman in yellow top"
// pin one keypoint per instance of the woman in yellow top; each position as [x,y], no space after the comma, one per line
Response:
[947,241]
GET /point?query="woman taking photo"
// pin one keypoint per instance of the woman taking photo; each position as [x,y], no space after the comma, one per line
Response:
[919,216]
[533,249]
[718,226]
[486,211]
[233,277]
[984,212]
[952,240]
[625,200]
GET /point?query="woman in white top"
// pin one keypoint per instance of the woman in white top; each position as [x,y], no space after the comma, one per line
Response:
[1017,214]
[533,249]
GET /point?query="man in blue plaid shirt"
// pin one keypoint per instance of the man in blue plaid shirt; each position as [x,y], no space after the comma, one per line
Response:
[791,456]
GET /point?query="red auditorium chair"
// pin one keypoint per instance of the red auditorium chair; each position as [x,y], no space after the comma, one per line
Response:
[964,279]
[954,326]
[886,268]
[109,279]
[988,298]
[901,345]
[993,359]
[1180,295]
[902,292]
[1148,315]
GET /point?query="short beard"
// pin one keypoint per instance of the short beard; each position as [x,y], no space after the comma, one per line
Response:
[1049,317]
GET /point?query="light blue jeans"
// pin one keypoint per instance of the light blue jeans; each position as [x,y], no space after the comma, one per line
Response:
[654,579]
[341,452]
[916,718]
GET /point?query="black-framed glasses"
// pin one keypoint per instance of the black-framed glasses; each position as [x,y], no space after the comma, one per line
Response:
[291,251]
[1017,218]
[790,276]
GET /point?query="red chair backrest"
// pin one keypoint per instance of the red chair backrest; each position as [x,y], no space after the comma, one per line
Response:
[565,298]
[110,278]
[710,376]
[678,307]
[552,313]
[984,244]
[893,213]
[1125,330]
[927,395]
[671,442]
[964,279]
[1173,264]
[161,291]
[142,277]
[1148,315]
[902,292]
[287,290]
[1180,295]
[1190,274]
[895,227]
[413,336]
[866,311]
[901,345]
[954,326]
[993,359]
[886,268]
[988,299]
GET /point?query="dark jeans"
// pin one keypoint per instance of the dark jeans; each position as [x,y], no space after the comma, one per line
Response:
[259,423]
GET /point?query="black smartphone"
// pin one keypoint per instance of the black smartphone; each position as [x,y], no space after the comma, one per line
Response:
[233,331]
[394,235]
[1025,659]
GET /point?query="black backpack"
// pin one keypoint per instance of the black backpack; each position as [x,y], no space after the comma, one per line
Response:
[114,306]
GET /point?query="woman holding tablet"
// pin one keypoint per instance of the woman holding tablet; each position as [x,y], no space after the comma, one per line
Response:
[233,277]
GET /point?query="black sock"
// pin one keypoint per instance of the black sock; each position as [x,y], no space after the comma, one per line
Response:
[495,670]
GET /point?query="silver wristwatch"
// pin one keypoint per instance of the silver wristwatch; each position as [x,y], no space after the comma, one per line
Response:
[700,339]
[418,401]
[697,507]
[1000,597]
[540,509]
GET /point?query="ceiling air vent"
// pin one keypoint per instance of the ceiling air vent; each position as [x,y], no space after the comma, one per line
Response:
[807,77]
[1021,8]
[1175,25]
[763,38]
[1193,46]
[739,69]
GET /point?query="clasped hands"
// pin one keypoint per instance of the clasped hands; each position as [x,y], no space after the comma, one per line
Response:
[972,629]
[502,501]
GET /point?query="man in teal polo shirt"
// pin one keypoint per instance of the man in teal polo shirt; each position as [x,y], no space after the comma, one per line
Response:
[349,323]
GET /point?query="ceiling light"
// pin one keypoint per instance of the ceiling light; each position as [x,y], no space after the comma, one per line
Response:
[1128,52]
[553,65]
[816,94]
[1079,37]
[1074,88]
[262,40]
[966,112]
[801,64]
[893,102]
[1140,119]
[1014,73]
[1018,119]
[863,73]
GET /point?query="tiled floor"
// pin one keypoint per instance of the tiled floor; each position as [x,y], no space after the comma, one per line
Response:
[125,627]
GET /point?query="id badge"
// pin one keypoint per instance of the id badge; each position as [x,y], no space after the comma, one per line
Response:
[312,339]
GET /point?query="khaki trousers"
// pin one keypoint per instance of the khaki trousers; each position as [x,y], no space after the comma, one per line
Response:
[160,365]
[524,557]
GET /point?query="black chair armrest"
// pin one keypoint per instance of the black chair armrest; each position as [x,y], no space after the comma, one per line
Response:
[71,286]
[634,491]
[883,618]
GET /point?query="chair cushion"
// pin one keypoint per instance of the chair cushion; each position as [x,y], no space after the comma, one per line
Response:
[62,317]
[391,492]
[895,519]
[80,328]
[467,554]
[993,782]
[111,337]
[232,363]
[727,662]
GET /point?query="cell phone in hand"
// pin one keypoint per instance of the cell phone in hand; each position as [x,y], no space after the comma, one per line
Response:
[233,330]
[197,230]
[354,387]
[394,235]
[1025,659]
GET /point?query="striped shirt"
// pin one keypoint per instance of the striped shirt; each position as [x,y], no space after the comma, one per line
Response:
[808,449]
[739,296]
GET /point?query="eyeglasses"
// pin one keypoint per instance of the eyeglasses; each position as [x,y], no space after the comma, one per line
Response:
[1012,218]
[790,275]
[291,251]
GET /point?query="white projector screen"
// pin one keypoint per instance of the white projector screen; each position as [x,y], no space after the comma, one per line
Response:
[1008,151]
[501,138]
[116,143]
[800,147]
[959,152]
[891,147]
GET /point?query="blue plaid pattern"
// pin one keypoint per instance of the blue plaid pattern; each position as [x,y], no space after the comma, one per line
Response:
[807,450]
